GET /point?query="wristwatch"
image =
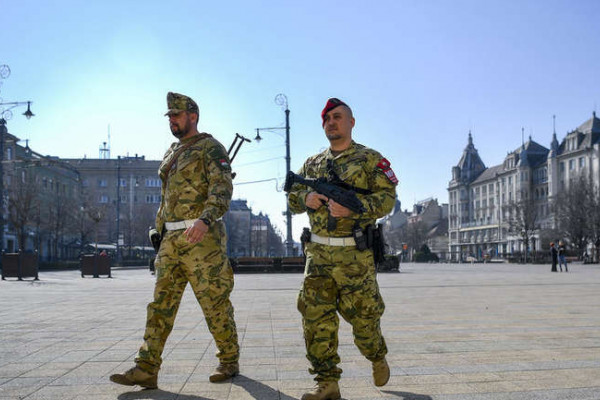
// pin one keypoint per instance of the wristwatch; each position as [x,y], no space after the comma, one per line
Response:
[205,220]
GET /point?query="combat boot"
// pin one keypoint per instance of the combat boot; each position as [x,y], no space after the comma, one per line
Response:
[224,372]
[325,390]
[381,372]
[136,376]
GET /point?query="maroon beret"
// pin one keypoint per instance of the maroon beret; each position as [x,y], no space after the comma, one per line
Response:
[331,104]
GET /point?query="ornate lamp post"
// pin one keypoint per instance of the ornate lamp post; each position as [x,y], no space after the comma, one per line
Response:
[6,114]
[281,100]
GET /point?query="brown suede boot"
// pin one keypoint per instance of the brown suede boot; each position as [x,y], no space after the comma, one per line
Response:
[224,372]
[136,376]
[381,372]
[325,390]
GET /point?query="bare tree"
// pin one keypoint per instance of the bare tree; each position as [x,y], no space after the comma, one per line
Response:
[58,218]
[23,204]
[415,234]
[573,208]
[594,219]
[523,220]
[96,214]
[394,238]
[136,224]
[86,218]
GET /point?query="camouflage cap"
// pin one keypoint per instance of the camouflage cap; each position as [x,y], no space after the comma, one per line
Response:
[178,103]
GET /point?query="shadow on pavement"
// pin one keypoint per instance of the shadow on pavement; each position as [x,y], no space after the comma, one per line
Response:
[259,390]
[158,394]
[408,396]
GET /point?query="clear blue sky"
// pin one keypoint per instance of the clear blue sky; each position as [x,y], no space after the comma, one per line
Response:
[418,74]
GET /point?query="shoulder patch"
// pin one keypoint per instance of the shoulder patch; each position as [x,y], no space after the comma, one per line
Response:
[385,167]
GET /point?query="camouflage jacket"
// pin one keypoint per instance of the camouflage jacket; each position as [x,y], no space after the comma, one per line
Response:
[358,166]
[198,185]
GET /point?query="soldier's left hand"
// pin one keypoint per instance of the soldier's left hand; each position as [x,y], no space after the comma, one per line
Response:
[337,210]
[196,232]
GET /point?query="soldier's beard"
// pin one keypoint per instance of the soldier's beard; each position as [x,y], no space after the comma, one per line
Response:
[180,132]
[333,136]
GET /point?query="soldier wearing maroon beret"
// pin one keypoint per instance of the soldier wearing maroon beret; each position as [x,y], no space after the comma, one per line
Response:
[340,273]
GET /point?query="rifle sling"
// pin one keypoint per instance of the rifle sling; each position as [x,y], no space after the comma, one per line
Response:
[182,149]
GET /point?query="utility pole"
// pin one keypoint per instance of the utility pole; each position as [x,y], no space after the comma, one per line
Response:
[118,255]
[281,100]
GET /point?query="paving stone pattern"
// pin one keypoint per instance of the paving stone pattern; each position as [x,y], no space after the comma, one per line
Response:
[454,331]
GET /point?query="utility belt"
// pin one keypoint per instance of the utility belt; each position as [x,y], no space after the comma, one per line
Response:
[156,236]
[174,226]
[332,241]
[362,239]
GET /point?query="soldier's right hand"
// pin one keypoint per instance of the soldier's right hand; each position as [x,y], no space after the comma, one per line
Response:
[315,200]
[196,232]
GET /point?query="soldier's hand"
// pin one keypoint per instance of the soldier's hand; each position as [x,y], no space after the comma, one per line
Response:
[315,200]
[196,232]
[337,210]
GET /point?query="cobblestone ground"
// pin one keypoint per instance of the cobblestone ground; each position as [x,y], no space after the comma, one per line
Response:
[455,332]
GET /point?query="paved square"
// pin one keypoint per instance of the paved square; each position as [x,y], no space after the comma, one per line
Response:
[455,332]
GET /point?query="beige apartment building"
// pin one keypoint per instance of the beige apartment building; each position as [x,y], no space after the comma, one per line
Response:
[480,197]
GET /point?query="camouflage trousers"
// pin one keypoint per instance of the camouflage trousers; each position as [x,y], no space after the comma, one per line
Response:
[207,269]
[339,279]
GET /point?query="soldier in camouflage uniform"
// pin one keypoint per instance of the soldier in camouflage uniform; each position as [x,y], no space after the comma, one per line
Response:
[338,277]
[196,192]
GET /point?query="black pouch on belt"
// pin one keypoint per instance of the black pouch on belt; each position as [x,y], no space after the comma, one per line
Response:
[155,238]
[361,238]
[305,237]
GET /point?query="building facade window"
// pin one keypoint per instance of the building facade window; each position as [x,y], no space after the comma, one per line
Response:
[152,182]
[152,198]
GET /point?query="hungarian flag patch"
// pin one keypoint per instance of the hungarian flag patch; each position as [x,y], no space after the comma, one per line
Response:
[224,163]
[384,165]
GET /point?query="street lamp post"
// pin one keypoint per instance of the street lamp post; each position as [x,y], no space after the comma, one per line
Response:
[281,100]
[118,248]
[6,114]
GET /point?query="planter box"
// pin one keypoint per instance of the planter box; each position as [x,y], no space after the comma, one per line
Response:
[20,265]
[96,265]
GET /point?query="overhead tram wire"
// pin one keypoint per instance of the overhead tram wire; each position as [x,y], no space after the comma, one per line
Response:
[258,161]
[277,188]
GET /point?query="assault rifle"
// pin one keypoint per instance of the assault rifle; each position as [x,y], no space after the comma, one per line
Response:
[345,197]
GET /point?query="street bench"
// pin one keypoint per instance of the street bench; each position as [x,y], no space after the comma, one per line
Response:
[292,264]
[252,264]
